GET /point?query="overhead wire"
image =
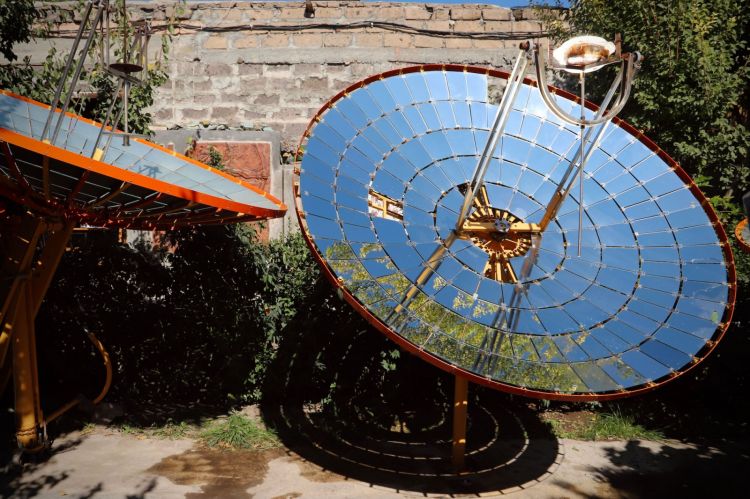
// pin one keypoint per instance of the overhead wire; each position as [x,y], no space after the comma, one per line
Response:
[384,25]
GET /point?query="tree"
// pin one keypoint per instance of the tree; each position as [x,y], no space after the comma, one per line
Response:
[691,96]
[16,20]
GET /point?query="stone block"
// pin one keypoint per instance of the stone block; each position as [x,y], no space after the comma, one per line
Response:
[234,14]
[218,69]
[202,86]
[249,86]
[204,99]
[417,13]
[164,114]
[523,26]
[397,40]
[224,114]
[307,40]
[305,70]
[468,27]
[422,41]
[293,12]
[362,13]
[496,14]
[498,26]
[337,85]
[439,11]
[466,14]
[458,43]
[337,40]
[277,70]
[261,13]
[215,42]
[193,114]
[266,100]
[314,84]
[276,40]
[249,69]
[439,25]
[250,41]
[368,40]
[328,12]
[488,44]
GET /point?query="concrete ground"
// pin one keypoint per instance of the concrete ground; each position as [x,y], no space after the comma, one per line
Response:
[108,464]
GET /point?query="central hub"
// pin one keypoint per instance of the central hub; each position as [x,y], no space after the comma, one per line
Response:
[500,234]
[502,227]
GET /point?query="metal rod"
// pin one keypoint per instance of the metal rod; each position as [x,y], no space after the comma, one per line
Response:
[106,118]
[580,167]
[107,367]
[630,65]
[126,137]
[503,111]
[77,73]
[66,70]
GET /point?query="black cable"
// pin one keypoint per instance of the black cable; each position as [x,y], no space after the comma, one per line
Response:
[384,25]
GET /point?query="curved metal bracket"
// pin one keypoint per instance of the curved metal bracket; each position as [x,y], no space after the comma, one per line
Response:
[629,66]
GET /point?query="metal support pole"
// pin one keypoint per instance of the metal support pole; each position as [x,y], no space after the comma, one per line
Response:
[68,64]
[460,410]
[77,73]
[24,297]
[503,111]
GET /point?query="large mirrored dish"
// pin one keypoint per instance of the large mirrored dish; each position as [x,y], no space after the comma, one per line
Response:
[385,166]
[140,186]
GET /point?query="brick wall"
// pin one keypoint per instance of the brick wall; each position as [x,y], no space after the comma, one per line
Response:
[260,78]
[229,64]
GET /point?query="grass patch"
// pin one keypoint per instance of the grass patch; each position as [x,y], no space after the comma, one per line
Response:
[128,429]
[238,432]
[603,426]
[172,430]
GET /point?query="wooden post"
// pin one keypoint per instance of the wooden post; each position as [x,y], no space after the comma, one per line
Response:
[460,407]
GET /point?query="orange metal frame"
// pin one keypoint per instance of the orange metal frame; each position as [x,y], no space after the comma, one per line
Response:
[31,273]
[115,172]
[481,380]
[745,245]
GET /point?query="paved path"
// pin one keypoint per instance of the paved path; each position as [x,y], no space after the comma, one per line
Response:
[109,464]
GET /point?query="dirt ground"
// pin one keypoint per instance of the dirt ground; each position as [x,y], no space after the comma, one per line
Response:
[106,463]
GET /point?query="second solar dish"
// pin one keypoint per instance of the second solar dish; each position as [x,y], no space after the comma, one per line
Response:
[381,184]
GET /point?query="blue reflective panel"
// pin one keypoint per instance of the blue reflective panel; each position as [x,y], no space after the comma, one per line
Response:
[646,293]
[381,96]
[398,89]
[462,112]
[461,142]
[414,118]
[479,115]
[436,175]
[398,166]
[684,342]
[387,184]
[646,366]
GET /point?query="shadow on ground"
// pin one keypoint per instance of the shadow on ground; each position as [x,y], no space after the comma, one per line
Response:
[702,471]
[343,400]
